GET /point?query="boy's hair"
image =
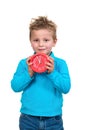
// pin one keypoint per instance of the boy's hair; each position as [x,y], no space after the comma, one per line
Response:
[42,22]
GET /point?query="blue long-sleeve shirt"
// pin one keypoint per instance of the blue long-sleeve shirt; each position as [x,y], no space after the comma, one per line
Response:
[43,93]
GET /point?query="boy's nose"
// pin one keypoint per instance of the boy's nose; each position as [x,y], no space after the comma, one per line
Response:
[40,43]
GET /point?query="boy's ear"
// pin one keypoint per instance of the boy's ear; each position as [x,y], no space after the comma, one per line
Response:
[55,41]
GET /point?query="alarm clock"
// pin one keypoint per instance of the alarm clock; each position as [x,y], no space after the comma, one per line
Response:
[38,61]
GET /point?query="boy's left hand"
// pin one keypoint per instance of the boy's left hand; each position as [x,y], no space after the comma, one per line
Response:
[50,65]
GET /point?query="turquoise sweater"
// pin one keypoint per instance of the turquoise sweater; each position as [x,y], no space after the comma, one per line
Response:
[42,94]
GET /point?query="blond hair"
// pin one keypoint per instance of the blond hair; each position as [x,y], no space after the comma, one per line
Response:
[42,22]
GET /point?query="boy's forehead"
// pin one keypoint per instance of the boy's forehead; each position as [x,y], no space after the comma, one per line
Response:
[42,32]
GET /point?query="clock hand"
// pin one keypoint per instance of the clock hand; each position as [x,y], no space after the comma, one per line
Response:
[38,59]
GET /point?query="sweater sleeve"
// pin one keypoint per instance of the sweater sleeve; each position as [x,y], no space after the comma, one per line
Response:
[21,78]
[60,77]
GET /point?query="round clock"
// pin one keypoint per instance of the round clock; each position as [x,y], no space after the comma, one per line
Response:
[39,62]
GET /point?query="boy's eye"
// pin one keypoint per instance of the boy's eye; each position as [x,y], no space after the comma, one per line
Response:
[36,40]
[46,40]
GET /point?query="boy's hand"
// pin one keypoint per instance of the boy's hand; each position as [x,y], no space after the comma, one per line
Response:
[50,65]
[29,66]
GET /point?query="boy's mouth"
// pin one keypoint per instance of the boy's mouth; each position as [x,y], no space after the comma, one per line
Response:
[41,49]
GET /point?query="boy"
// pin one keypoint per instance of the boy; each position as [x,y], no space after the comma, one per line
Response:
[42,98]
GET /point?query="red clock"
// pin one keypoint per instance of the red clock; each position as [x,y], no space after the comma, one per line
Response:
[39,62]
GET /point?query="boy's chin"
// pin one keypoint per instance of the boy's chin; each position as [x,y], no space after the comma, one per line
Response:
[47,53]
[44,53]
[41,52]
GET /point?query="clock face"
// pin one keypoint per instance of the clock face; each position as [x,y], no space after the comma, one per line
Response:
[39,62]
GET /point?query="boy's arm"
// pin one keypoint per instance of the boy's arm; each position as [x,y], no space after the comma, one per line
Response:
[60,77]
[21,78]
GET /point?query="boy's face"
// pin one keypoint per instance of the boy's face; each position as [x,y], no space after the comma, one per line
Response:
[42,41]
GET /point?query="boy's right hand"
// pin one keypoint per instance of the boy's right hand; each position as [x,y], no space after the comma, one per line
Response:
[31,72]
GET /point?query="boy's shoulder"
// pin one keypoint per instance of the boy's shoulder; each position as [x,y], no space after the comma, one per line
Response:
[22,61]
[58,59]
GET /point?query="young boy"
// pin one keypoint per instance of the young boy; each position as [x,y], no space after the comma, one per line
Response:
[42,97]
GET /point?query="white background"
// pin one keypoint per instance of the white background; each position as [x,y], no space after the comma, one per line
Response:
[71,18]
